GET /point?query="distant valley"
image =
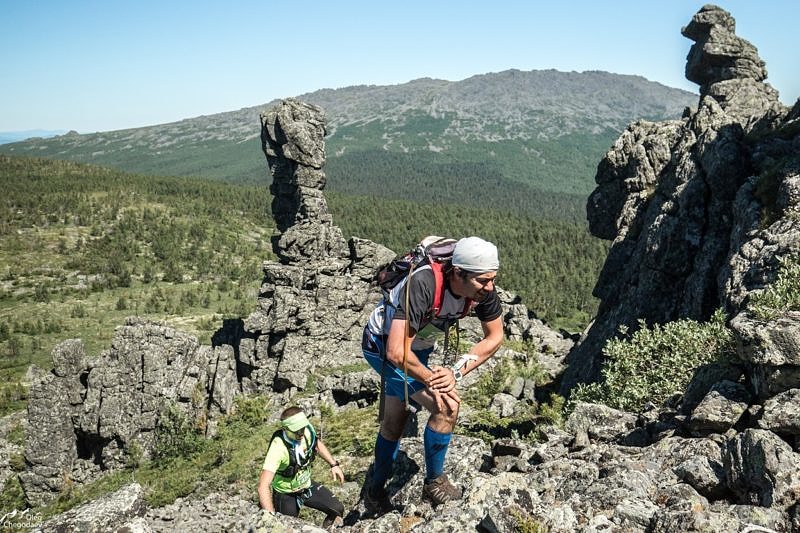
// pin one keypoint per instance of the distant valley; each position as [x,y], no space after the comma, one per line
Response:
[528,141]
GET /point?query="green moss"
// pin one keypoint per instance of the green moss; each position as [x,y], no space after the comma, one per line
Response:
[526,523]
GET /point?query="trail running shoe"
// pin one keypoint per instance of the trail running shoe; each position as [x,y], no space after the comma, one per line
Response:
[440,490]
[376,501]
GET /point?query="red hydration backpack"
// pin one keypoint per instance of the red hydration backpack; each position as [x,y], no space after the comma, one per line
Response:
[434,251]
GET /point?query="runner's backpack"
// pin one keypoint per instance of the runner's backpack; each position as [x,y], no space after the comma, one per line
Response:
[434,251]
[295,466]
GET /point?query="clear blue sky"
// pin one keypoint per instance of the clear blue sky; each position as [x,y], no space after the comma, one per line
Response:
[106,64]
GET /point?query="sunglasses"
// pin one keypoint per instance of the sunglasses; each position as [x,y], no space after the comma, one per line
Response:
[295,435]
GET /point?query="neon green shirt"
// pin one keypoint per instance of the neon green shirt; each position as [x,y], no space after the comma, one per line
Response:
[277,459]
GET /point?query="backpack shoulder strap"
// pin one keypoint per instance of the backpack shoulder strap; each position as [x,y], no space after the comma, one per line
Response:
[438,293]
[290,469]
[277,435]
[467,307]
[312,445]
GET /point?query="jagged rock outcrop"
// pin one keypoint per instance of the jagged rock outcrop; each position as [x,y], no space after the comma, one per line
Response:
[690,205]
[314,302]
[88,415]
[585,478]
[114,512]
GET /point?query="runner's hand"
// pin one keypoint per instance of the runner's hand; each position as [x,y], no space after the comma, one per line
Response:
[452,399]
[442,379]
[337,473]
[438,398]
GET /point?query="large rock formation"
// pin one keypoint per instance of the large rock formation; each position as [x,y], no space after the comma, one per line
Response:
[690,205]
[314,302]
[90,415]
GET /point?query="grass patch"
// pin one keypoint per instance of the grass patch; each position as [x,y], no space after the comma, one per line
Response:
[350,432]
[487,425]
[781,295]
[12,496]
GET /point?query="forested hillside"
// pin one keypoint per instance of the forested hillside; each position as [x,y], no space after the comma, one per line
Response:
[81,247]
[537,133]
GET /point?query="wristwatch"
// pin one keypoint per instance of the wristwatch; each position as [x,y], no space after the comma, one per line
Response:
[457,374]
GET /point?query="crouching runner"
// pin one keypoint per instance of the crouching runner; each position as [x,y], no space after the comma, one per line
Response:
[285,484]
[469,277]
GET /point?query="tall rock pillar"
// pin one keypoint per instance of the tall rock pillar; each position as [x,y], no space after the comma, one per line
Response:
[313,302]
[678,198]
[293,139]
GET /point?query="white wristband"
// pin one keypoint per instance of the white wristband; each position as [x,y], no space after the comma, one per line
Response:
[465,358]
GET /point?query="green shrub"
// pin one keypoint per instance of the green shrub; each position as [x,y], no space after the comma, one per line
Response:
[249,411]
[17,462]
[656,362]
[176,436]
[504,372]
[12,496]
[781,295]
[554,412]
[17,434]
[480,394]
[350,432]
[41,294]
[12,396]
[134,455]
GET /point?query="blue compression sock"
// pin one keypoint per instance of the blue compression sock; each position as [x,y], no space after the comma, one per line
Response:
[385,455]
[435,451]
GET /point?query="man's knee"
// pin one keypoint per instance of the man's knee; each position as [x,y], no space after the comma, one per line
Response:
[338,508]
[445,417]
[442,420]
[391,432]
[446,410]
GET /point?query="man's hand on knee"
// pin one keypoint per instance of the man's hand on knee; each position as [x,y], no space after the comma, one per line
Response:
[441,380]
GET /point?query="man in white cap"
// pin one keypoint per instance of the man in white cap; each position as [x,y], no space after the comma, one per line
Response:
[468,286]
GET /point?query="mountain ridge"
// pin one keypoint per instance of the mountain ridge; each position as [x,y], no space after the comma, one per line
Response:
[519,122]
